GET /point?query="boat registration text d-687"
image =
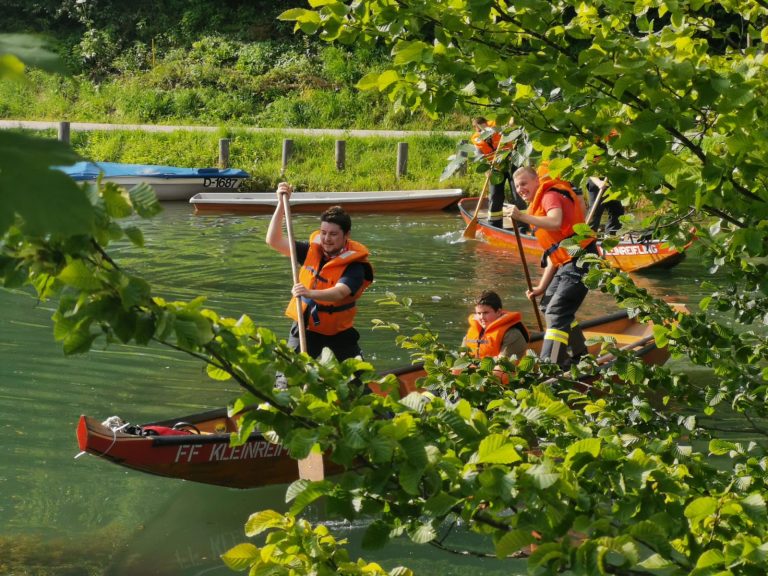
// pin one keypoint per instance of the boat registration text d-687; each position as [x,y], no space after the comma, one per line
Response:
[222,182]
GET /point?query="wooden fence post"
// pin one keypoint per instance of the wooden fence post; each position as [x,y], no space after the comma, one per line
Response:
[341,154]
[64,132]
[287,151]
[223,153]
[402,158]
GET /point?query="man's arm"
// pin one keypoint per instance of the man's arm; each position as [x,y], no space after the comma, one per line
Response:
[275,238]
[349,283]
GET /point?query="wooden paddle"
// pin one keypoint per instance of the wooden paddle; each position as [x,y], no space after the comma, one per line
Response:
[311,467]
[598,199]
[471,230]
[527,273]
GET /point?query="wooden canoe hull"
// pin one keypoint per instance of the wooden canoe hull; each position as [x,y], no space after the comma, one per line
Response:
[207,456]
[316,202]
[630,255]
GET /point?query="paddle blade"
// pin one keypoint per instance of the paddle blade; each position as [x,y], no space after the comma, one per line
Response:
[471,230]
[311,468]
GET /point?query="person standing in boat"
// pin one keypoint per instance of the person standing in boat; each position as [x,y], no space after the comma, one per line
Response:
[554,209]
[335,272]
[495,332]
[486,140]
[614,208]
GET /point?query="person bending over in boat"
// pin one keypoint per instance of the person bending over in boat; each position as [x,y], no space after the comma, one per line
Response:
[334,274]
[495,332]
[552,212]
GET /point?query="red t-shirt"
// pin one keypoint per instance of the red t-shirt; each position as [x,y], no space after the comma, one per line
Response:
[552,199]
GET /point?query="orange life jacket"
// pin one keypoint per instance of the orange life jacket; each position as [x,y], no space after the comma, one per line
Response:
[485,343]
[550,239]
[325,317]
[488,145]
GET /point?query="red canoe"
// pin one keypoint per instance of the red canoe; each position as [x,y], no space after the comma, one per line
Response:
[196,447]
[630,255]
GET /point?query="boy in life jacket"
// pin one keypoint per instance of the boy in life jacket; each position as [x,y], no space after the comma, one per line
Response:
[495,332]
[334,274]
[553,210]
[486,140]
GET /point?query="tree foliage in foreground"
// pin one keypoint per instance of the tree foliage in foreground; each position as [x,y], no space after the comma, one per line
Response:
[607,480]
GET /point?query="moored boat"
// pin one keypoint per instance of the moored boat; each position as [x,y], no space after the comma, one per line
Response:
[196,447]
[316,202]
[631,254]
[168,182]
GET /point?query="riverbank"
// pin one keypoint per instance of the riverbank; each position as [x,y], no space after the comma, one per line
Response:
[370,164]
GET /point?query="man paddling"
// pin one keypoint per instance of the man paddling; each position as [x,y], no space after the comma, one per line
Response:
[553,210]
[334,274]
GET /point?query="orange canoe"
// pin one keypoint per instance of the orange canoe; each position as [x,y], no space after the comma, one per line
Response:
[630,255]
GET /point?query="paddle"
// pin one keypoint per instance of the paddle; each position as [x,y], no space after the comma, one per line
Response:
[471,230]
[311,467]
[598,199]
[527,273]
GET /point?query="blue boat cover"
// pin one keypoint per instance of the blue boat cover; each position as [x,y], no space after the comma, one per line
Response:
[85,171]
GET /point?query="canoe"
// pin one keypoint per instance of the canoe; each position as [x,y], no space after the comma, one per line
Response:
[196,447]
[317,202]
[631,254]
[169,182]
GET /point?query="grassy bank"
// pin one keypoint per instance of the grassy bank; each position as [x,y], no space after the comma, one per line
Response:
[370,161]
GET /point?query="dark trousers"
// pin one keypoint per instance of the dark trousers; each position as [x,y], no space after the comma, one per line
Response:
[562,299]
[612,207]
[343,345]
[498,197]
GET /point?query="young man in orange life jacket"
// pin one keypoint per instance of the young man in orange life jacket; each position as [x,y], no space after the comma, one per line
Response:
[334,273]
[495,332]
[553,210]
[486,140]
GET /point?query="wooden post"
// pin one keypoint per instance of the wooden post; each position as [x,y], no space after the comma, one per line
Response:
[463,154]
[223,153]
[287,151]
[402,158]
[341,154]
[64,132]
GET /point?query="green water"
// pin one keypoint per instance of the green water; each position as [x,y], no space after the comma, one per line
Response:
[74,516]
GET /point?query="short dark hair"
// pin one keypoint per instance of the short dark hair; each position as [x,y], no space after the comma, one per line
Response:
[479,120]
[489,298]
[337,215]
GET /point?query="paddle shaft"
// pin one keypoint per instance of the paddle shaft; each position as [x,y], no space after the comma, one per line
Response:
[311,467]
[471,229]
[527,274]
[598,199]
[294,270]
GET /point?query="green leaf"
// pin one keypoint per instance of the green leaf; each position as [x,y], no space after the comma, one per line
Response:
[376,535]
[423,534]
[216,373]
[589,446]
[387,78]
[406,52]
[241,557]
[79,275]
[144,200]
[710,558]
[496,449]
[755,507]
[700,507]
[440,504]
[513,542]
[32,50]
[265,520]
[543,476]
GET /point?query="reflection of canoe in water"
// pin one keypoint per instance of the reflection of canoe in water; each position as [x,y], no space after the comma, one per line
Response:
[316,202]
[630,255]
[196,447]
